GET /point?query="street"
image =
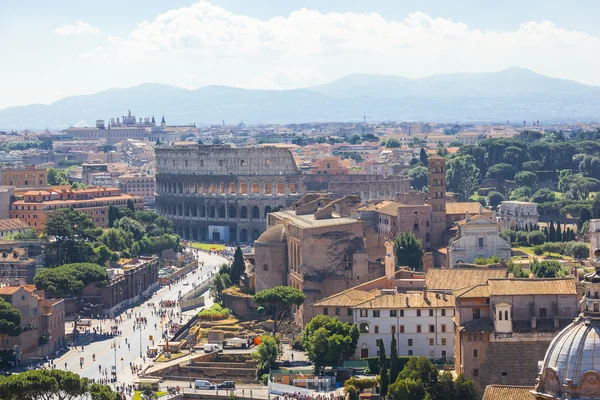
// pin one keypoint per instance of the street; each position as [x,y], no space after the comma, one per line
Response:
[130,347]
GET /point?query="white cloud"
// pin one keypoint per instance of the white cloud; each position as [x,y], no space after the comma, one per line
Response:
[205,44]
[77,29]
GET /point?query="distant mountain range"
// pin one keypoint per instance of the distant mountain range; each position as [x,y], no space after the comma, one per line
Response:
[514,94]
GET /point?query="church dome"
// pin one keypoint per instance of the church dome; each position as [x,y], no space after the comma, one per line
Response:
[571,367]
[275,234]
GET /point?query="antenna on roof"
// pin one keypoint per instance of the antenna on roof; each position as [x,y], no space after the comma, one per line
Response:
[365,116]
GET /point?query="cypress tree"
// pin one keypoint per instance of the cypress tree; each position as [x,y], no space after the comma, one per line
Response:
[238,266]
[558,232]
[547,234]
[552,232]
[384,379]
[394,362]
[423,157]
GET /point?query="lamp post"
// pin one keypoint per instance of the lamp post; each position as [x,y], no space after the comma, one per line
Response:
[139,325]
[192,344]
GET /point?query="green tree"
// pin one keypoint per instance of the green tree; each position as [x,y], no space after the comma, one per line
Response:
[384,378]
[558,233]
[220,282]
[103,254]
[10,319]
[29,234]
[595,211]
[130,205]
[526,178]
[73,232]
[464,388]
[113,215]
[354,139]
[394,362]
[238,266]
[369,137]
[501,172]
[392,143]
[420,368]
[266,354]
[533,166]
[536,238]
[279,300]
[52,384]
[409,250]
[495,198]
[423,157]
[543,196]
[418,176]
[70,279]
[545,269]
[552,232]
[463,175]
[56,177]
[116,239]
[326,340]
[407,389]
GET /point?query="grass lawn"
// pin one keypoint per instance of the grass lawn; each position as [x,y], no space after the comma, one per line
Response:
[207,246]
[529,251]
[138,394]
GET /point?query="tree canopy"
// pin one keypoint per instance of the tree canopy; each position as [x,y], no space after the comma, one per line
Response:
[52,384]
[278,301]
[463,175]
[326,340]
[10,319]
[70,279]
[409,250]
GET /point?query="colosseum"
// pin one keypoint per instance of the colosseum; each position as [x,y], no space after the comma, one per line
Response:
[221,193]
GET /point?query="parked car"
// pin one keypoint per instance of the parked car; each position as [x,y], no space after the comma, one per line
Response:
[210,347]
[226,385]
[200,384]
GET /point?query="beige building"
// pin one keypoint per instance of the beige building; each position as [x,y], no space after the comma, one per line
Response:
[320,250]
[138,185]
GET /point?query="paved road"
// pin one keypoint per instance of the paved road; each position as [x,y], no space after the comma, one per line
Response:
[105,350]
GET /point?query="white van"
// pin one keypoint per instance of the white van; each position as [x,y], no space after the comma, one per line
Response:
[210,347]
[200,384]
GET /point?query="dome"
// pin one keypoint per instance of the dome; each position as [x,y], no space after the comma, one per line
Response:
[275,234]
[571,367]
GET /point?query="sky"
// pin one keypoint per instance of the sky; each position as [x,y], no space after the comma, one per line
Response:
[50,50]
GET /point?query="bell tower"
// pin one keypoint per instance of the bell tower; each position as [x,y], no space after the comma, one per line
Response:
[436,188]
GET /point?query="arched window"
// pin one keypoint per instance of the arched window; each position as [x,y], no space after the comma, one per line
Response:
[255,212]
[427,237]
[500,315]
[363,327]
[506,315]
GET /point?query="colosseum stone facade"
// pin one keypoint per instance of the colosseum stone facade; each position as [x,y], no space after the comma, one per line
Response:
[221,193]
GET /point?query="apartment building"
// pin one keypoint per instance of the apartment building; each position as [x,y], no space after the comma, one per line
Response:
[24,178]
[138,185]
[421,322]
[35,205]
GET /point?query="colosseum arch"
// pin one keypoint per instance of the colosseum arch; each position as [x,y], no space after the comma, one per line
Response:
[255,188]
[202,210]
[213,211]
[194,233]
[232,188]
[255,234]
[243,235]
[243,188]
[255,212]
[232,211]
[222,190]
[268,189]
[244,212]
[222,211]
[267,210]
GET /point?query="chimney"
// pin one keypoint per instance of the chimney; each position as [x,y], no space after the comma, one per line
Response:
[425,292]
[533,322]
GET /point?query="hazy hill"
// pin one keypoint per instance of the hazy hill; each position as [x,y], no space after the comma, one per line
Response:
[514,94]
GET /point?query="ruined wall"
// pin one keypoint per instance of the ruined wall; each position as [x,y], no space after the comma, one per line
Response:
[224,194]
[270,264]
[387,189]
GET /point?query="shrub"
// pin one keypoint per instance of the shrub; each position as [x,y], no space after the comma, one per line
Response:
[537,250]
[577,249]
[521,237]
[535,238]
[297,343]
[550,247]
[215,312]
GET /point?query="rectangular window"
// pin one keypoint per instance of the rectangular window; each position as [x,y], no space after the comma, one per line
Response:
[443,353]
[410,352]
[476,313]
[443,341]
[431,328]
[325,311]
[349,311]
[402,313]
[363,313]
[393,328]
[431,342]
[475,372]
[338,311]
[418,328]
[375,313]
[543,312]
[443,328]
[431,312]
[480,242]
[443,312]
[401,328]
[431,353]
[392,313]
[410,342]
[418,313]
[475,353]
[376,328]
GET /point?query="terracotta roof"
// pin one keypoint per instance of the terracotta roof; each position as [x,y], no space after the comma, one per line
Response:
[347,298]
[11,224]
[463,207]
[409,300]
[459,278]
[500,287]
[481,290]
[508,392]
[10,290]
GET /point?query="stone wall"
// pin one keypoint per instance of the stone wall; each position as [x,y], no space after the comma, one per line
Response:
[240,304]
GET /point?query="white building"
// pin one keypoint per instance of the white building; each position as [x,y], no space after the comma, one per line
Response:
[594,238]
[517,214]
[421,321]
[477,237]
